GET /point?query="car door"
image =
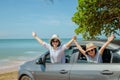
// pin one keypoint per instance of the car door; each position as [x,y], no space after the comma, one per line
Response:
[56,72]
[89,71]
[50,71]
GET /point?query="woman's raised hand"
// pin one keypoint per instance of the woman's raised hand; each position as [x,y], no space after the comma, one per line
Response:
[111,37]
[74,37]
[34,34]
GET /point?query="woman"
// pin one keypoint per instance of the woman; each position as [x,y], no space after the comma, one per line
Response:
[92,54]
[55,47]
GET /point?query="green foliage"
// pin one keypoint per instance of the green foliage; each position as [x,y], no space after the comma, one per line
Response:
[97,17]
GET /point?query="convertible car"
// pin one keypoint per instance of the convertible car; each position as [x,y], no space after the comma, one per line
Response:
[76,66]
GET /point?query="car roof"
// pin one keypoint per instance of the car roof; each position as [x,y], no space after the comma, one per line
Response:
[99,44]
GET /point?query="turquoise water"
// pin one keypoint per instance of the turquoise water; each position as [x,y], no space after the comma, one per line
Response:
[14,51]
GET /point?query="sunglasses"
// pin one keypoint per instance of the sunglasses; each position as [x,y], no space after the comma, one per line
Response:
[55,41]
[91,50]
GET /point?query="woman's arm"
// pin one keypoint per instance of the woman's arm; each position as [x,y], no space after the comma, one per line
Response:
[70,42]
[80,48]
[37,38]
[106,44]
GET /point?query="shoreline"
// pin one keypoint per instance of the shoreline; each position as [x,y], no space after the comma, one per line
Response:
[9,69]
[10,72]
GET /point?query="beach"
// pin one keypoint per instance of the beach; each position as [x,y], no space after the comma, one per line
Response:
[13,53]
[9,74]
[12,75]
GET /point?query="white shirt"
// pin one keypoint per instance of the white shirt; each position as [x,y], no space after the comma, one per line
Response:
[56,56]
[96,59]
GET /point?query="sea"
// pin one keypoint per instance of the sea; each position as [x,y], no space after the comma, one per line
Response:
[17,51]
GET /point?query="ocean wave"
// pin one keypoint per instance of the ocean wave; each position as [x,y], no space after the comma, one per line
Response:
[22,58]
[9,63]
[14,61]
[4,61]
[32,52]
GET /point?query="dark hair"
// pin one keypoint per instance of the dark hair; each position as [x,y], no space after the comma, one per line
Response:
[95,51]
[58,42]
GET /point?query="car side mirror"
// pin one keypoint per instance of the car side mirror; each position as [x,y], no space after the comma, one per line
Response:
[39,61]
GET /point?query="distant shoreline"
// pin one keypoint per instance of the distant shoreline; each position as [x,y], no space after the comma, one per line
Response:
[114,41]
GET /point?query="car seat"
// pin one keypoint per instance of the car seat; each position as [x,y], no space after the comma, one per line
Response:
[106,57]
[74,55]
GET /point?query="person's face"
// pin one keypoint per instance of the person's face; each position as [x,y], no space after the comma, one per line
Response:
[91,52]
[55,42]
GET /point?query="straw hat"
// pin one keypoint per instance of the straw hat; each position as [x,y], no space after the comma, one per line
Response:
[90,46]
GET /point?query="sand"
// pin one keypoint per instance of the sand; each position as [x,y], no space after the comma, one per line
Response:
[10,73]
[13,75]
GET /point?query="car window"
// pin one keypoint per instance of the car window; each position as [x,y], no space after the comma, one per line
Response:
[76,56]
[46,57]
[68,53]
[107,56]
[116,57]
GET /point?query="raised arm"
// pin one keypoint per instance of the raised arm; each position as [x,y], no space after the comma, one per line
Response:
[37,38]
[70,42]
[79,47]
[106,44]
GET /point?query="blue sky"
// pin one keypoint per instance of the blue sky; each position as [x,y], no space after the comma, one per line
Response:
[18,18]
